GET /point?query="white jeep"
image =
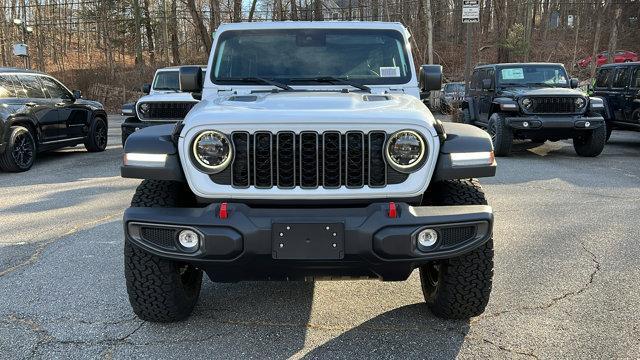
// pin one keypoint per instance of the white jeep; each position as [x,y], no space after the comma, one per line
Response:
[163,103]
[310,156]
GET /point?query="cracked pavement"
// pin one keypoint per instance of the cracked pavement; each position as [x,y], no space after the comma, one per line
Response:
[566,283]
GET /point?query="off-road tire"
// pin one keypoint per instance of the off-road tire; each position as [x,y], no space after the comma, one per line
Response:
[10,161]
[609,131]
[459,287]
[501,135]
[159,290]
[98,135]
[590,143]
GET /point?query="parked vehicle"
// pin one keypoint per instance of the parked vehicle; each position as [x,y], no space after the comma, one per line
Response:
[619,86]
[38,113]
[619,56]
[310,156]
[163,103]
[534,101]
[451,96]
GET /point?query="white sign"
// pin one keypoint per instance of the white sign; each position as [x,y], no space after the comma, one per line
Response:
[470,11]
[20,50]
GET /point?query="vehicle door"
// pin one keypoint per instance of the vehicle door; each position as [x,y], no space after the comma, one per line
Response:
[486,97]
[39,106]
[631,107]
[73,116]
[619,87]
[601,87]
[473,94]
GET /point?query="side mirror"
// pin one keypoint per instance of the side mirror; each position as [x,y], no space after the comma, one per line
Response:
[574,83]
[430,77]
[486,84]
[146,89]
[191,79]
[77,94]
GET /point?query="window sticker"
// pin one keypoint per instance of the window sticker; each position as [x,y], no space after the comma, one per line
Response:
[389,71]
[513,74]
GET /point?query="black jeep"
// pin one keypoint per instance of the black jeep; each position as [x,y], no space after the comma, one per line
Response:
[619,86]
[534,101]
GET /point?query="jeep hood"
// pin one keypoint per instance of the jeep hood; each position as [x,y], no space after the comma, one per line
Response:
[523,91]
[167,97]
[326,107]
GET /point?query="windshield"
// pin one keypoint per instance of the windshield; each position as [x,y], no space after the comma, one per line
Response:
[166,80]
[533,75]
[310,56]
[454,88]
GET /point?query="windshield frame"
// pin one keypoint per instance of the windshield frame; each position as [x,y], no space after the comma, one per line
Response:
[398,35]
[503,83]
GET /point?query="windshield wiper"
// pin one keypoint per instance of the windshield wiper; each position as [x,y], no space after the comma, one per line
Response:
[254,79]
[335,80]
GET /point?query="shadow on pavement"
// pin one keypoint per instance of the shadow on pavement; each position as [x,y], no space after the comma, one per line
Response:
[408,332]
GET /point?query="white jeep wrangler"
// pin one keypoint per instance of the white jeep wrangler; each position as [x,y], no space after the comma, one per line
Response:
[163,103]
[310,156]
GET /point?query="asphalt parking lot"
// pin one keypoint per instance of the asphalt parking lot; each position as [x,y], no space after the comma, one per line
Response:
[566,285]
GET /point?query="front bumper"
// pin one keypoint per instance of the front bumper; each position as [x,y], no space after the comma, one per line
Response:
[534,122]
[250,243]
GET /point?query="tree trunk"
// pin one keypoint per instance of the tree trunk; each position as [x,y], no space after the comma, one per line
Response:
[253,10]
[204,35]
[237,11]
[502,30]
[149,32]
[429,21]
[175,51]
[596,41]
[317,10]
[214,19]
[613,39]
[137,35]
[576,26]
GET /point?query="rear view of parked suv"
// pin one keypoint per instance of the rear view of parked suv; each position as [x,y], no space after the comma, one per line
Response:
[38,113]
[619,86]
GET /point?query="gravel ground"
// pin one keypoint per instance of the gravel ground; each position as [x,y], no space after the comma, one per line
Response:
[566,283]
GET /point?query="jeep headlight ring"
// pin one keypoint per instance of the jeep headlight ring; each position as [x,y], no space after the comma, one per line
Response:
[144,108]
[211,151]
[580,102]
[527,103]
[405,150]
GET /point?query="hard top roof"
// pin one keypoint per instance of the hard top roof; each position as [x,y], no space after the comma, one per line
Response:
[265,25]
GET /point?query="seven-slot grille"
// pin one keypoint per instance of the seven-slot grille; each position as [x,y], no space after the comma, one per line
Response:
[169,110]
[309,160]
[553,105]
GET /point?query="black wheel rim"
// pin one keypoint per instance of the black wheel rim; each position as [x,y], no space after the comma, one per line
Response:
[101,135]
[433,274]
[23,149]
[492,130]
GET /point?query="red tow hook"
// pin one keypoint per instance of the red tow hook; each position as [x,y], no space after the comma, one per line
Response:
[393,212]
[223,214]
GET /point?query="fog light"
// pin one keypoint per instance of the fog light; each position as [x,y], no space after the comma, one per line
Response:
[525,124]
[189,239]
[587,124]
[427,238]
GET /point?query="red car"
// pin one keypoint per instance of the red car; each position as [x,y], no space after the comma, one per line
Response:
[619,56]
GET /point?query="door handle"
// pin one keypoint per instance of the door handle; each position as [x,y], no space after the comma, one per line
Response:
[30,104]
[60,104]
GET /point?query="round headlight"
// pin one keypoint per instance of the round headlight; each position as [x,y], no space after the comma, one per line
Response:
[527,103]
[580,102]
[212,151]
[405,150]
[144,108]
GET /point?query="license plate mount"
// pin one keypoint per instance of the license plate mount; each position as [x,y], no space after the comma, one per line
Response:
[307,241]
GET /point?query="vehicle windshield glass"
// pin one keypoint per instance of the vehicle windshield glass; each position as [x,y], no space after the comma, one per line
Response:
[454,88]
[298,56]
[166,80]
[533,75]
